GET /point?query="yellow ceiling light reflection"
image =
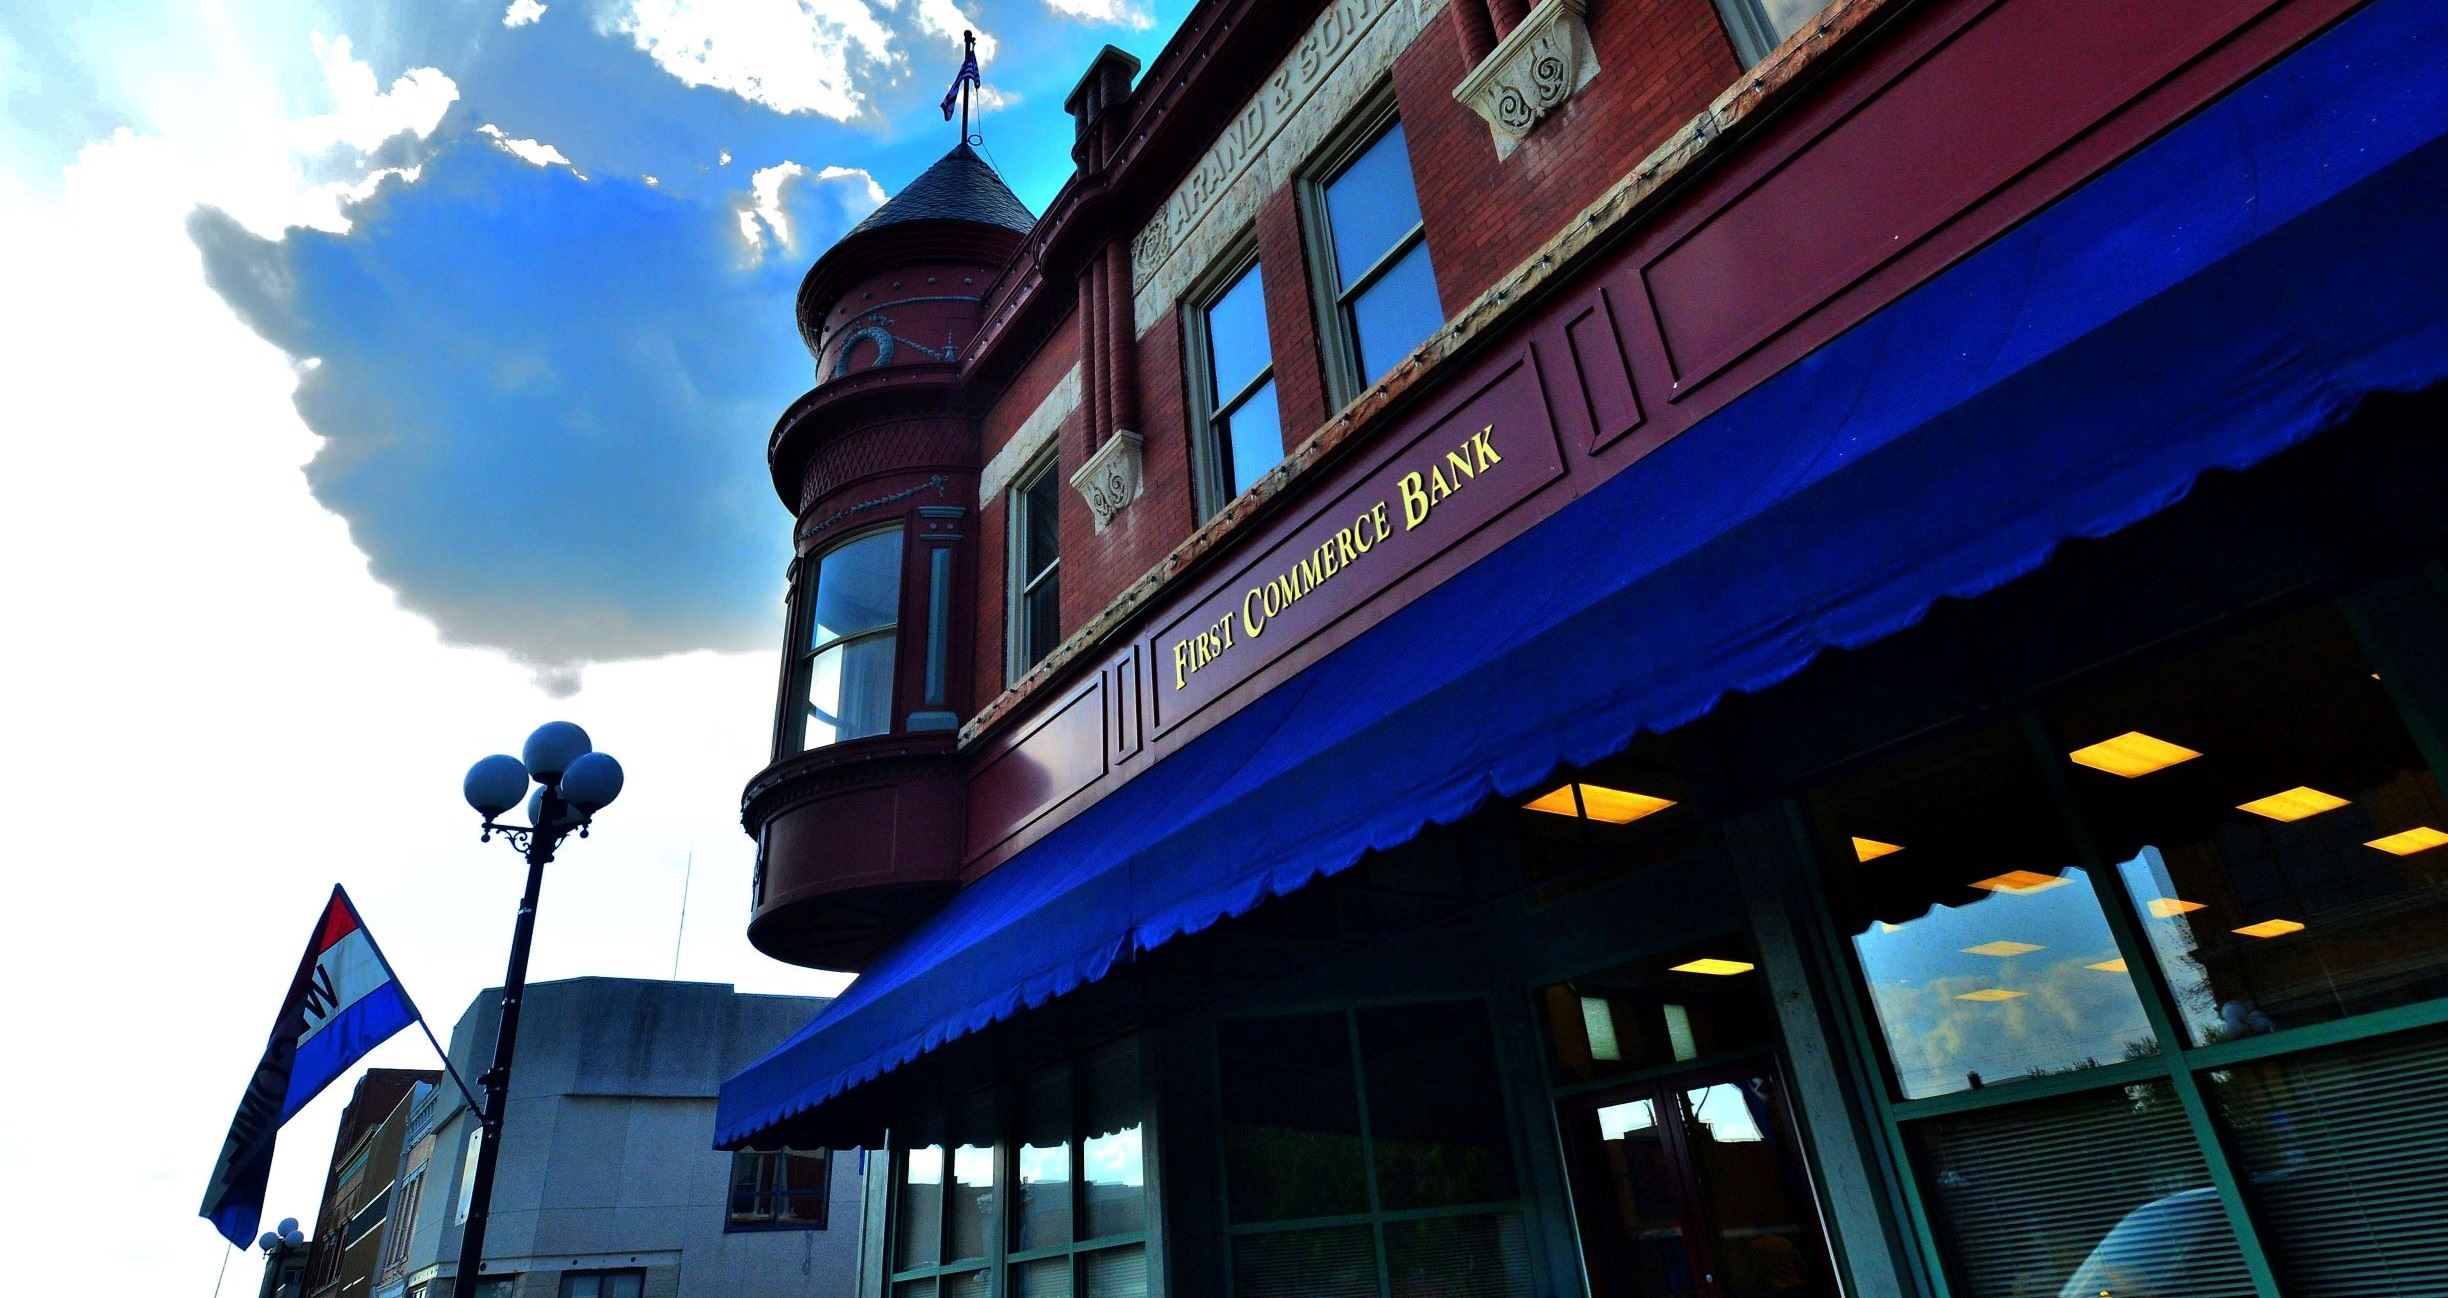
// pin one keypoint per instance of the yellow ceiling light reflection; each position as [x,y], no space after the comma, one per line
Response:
[1987,995]
[2019,882]
[1614,806]
[2131,754]
[2004,947]
[2109,966]
[1713,965]
[2294,804]
[2171,907]
[2271,928]
[2421,838]
[1870,849]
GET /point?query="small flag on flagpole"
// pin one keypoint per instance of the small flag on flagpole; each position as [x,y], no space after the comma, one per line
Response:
[343,1002]
[968,75]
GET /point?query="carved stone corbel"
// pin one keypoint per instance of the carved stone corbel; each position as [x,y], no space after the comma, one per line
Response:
[1540,64]
[1111,477]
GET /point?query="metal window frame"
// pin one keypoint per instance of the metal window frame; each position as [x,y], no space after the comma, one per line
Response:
[1525,1203]
[1004,1096]
[780,1192]
[1330,299]
[1018,583]
[2183,1067]
[1211,470]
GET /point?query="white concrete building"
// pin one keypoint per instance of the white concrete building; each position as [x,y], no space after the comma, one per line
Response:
[609,1185]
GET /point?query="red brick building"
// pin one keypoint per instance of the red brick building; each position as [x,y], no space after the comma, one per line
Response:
[1638,647]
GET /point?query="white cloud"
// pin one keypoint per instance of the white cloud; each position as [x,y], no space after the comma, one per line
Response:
[764,211]
[793,56]
[535,151]
[1121,13]
[944,18]
[522,12]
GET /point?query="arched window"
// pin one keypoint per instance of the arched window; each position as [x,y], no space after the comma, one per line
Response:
[843,683]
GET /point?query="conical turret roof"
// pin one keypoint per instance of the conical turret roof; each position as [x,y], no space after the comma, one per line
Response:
[959,187]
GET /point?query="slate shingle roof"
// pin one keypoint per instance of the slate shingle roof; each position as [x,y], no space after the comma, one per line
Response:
[959,187]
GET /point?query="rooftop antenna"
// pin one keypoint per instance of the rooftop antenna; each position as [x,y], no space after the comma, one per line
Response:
[687,873]
[964,85]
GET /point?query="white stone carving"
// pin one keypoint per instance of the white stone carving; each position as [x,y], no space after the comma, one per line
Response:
[1110,479]
[1032,437]
[1340,60]
[1541,63]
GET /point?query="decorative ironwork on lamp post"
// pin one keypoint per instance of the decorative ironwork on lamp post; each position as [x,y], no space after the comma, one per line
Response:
[571,783]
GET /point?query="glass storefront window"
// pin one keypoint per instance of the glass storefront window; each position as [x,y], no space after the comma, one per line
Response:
[1982,946]
[2103,1192]
[1042,1216]
[1391,1115]
[919,1221]
[1646,1015]
[2290,870]
[2341,1153]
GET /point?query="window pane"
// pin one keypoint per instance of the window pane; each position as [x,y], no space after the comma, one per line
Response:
[2342,1154]
[1340,1262]
[1041,611]
[1115,1273]
[1435,1109]
[1251,438]
[1041,538]
[1985,953]
[2285,875]
[1237,336]
[1291,1119]
[1643,1015]
[628,1285]
[1044,1278]
[858,588]
[744,1169]
[2027,1203]
[1627,1196]
[1044,1216]
[1110,1156]
[1371,206]
[915,1289]
[968,1284]
[850,691]
[971,1203]
[921,1210]
[1395,314]
[1755,1193]
[1785,17]
[1484,1256]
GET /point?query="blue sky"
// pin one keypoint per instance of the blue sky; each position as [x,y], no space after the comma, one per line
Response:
[386,379]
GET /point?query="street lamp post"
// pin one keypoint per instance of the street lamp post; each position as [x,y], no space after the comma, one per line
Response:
[571,783]
[281,1246]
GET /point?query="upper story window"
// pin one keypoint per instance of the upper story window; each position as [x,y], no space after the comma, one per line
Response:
[779,1188]
[1242,431]
[1759,26]
[1377,293]
[1036,562]
[843,682]
[403,1218]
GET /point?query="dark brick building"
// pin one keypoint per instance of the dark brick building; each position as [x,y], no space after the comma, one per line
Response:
[1662,647]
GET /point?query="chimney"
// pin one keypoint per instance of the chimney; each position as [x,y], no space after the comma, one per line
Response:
[1106,85]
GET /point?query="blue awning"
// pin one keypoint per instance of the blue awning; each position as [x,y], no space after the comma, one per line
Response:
[2227,292]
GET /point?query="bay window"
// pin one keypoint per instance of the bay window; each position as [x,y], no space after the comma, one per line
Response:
[842,685]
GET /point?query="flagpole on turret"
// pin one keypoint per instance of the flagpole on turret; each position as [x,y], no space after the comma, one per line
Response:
[964,84]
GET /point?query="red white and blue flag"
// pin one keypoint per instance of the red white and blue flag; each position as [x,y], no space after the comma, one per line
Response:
[967,76]
[344,1002]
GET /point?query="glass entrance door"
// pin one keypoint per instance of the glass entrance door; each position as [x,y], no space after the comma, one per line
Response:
[1692,1185]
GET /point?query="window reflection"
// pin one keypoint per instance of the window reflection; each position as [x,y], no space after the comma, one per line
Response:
[2283,877]
[845,665]
[920,1222]
[1985,952]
